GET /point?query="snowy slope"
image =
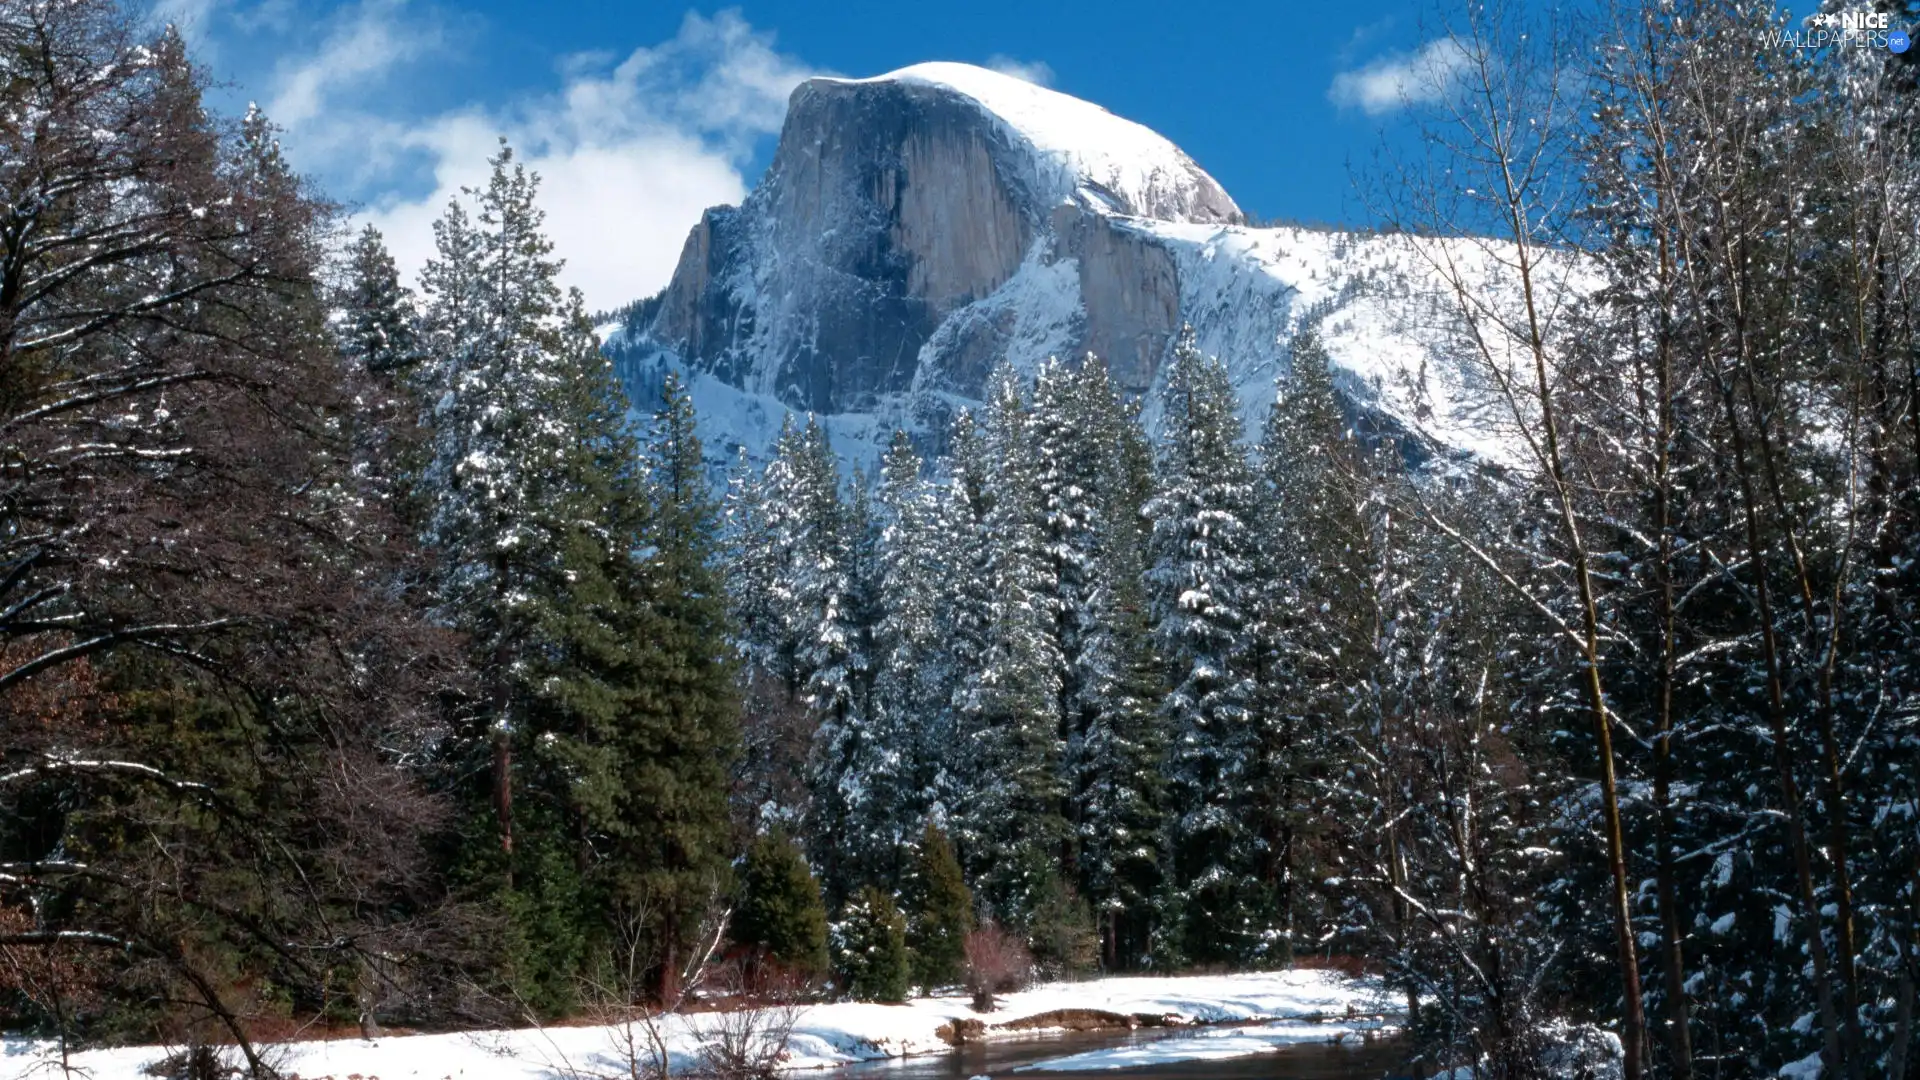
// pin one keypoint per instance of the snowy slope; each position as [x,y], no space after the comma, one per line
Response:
[825,1035]
[1380,307]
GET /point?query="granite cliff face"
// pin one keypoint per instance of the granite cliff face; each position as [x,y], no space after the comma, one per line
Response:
[916,228]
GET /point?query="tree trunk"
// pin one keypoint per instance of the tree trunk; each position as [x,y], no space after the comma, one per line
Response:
[1782,747]
[669,965]
[503,793]
[502,728]
[1633,1020]
[1837,839]
[1403,920]
[1672,930]
[1903,1017]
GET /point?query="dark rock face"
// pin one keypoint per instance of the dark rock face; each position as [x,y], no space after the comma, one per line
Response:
[1131,291]
[889,207]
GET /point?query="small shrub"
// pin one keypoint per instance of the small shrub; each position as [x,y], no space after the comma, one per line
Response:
[196,1062]
[870,948]
[1353,967]
[747,1039]
[997,963]
[204,1061]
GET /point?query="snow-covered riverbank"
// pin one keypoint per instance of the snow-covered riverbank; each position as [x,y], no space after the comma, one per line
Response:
[824,1035]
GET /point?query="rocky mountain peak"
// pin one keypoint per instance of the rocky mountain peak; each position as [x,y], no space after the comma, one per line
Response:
[916,228]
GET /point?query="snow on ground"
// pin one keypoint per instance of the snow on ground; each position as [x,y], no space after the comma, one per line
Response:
[824,1035]
[1219,1044]
[1807,1068]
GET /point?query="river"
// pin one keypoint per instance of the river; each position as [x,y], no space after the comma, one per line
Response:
[1024,1058]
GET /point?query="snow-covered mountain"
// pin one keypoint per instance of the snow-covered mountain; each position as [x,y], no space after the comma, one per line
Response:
[916,227]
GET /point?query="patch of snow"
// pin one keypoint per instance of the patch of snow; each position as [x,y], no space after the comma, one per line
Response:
[1807,1068]
[824,1035]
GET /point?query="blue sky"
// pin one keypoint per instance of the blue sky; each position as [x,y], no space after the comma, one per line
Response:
[638,115]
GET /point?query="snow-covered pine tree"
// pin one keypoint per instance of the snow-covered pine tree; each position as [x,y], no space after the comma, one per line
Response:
[856,769]
[1091,450]
[376,324]
[497,452]
[1219,905]
[776,730]
[870,956]
[1009,820]
[911,566]
[538,506]
[753,559]
[1070,480]
[964,615]
[1311,630]
[794,552]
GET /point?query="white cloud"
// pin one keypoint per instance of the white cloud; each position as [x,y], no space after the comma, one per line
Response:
[628,156]
[1037,72]
[618,209]
[630,150]
[1401,80]
[368,45]
[191,18]
[189,15]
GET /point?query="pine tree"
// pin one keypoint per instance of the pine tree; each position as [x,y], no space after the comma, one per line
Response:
[679,733]
[1203,580]
[1089,447]
[1311,635]
[780,913]
[1061,932]
[583,581]
[870,948]
[859,763]
[376,322]
[1071,467]
[939,911]
[964,617]
[497,454]
[911,568]
[1118,782]
[1009,819]
[756,555]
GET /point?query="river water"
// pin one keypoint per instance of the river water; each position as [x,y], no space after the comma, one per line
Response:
[1025,1058]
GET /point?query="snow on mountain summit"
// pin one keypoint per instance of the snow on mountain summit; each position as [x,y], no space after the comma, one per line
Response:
[1089,156]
